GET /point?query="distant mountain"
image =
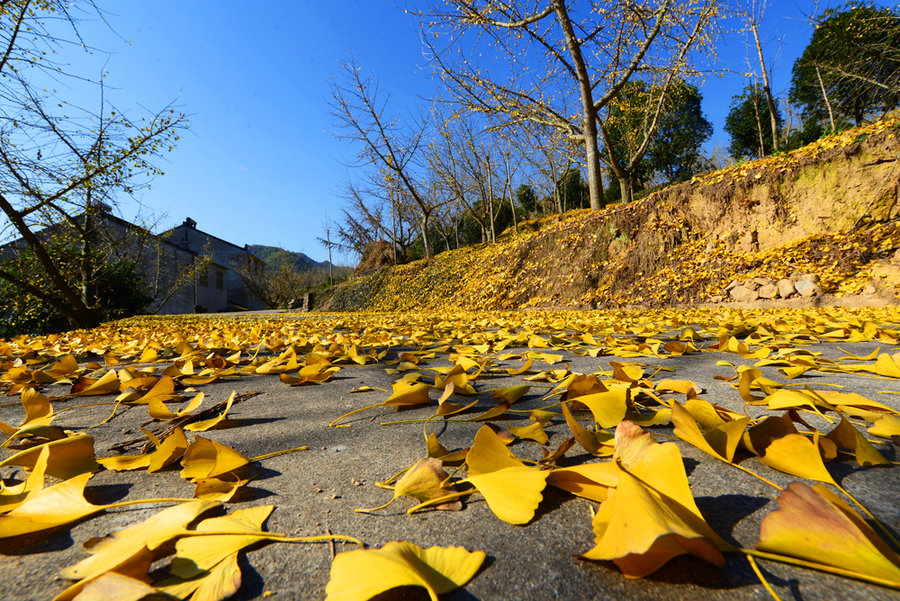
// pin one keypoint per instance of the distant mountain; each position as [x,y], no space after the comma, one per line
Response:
[273,256]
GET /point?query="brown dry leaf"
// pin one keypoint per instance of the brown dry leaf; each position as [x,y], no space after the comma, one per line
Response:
[650,517]
[511,489]
[68,457]
[362,574]
[816,525]
[205,458]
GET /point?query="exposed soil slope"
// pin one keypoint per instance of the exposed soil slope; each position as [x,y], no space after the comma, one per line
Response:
[830,208]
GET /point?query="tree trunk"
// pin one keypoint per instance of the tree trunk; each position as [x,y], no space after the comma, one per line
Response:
[589,117]
[825,96]
[71,307]
[429,252]
[766,89]
[762,144]
[627,195]
[490,200]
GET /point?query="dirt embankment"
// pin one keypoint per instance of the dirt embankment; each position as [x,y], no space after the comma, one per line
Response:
[830,209]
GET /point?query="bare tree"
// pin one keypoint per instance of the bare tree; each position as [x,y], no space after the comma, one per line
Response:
[752,13]
[387,143]
[61,165]
[552,49]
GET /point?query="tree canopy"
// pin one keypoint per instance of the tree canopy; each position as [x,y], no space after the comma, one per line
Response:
[851,67]
[747,124]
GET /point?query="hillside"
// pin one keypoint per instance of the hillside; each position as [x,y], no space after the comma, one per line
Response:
[828,211]
[273,255]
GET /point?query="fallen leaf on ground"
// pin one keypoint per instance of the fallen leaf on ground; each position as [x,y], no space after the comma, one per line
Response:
[362,574]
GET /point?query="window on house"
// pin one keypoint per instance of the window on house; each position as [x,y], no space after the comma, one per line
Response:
[220,280]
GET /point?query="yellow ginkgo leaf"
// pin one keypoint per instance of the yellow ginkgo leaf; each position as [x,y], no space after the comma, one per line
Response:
[37,407]
[650,517]
[591,480]
[196,555]
[797,455]
[816,525]
[132,545]
[593,442]
[158,410]
[511,489]
[206,458]
[68,457]
[51,507]
[218,488]
[112,585]
[424,481]
[608,407]
[436,450]
[680,386]
[163,390]
[408,394]
[720,441]
[203,426]
[365,573]
[62,368]
[167,452]
[534,431]
[107,384]
[846,436]
[14,496]
[510,394]
[886,427]
[786,398]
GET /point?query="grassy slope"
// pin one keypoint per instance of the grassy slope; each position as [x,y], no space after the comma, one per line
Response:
[830,208]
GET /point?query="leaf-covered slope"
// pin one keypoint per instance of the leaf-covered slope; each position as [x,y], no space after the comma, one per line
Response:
[830,208]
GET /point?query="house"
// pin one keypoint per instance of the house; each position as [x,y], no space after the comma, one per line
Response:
[228,270]
[185,269]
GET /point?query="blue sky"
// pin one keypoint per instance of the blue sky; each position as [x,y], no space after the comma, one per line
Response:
[258,165]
